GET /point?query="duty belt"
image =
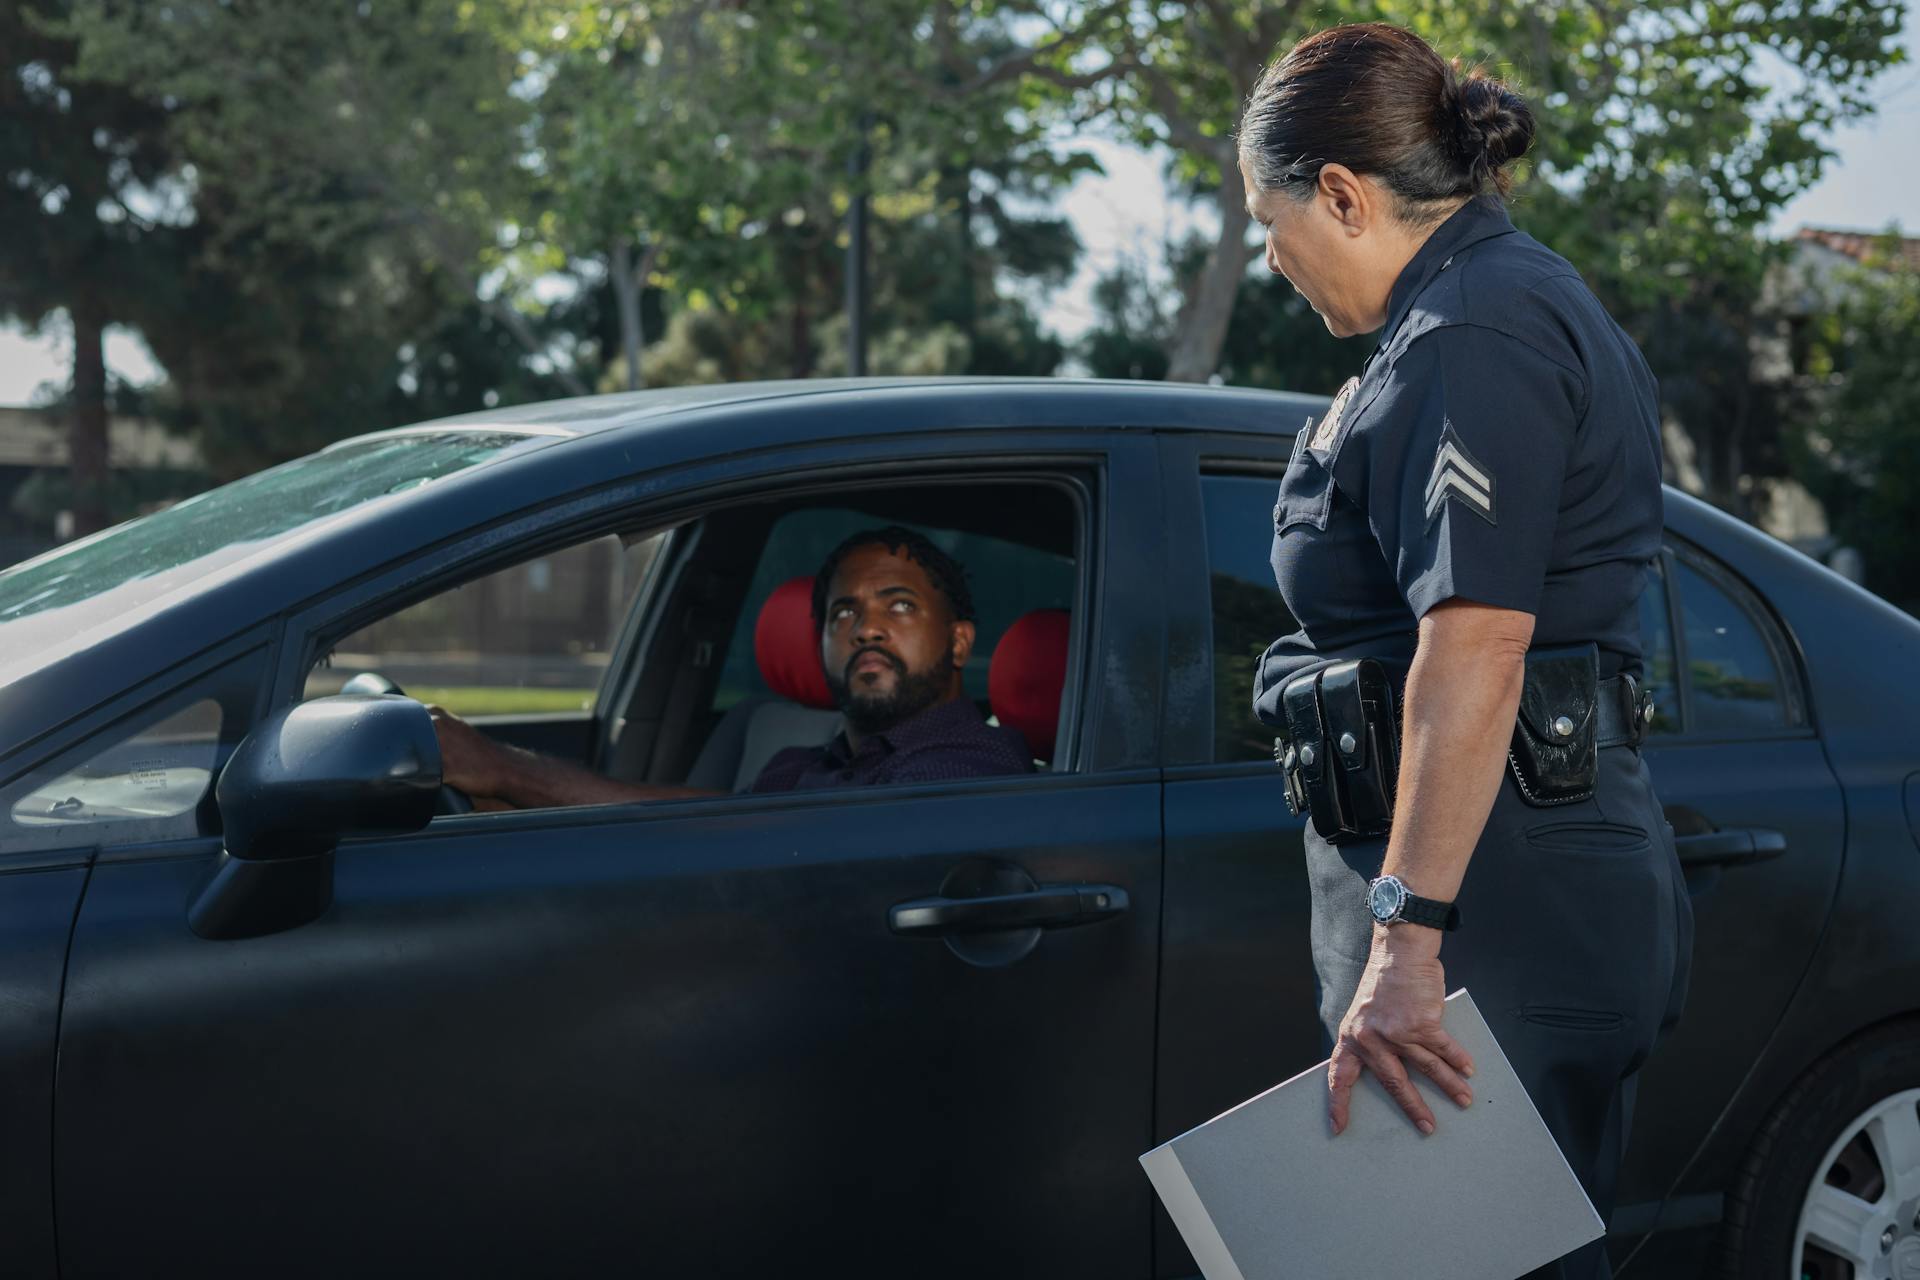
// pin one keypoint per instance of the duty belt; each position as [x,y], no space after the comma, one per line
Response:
[1625,712]
[1341,753]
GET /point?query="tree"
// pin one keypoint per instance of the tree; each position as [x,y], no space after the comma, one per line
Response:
[1860,454]
[87,218]
[346,172]
[1663,146]
[710,143]
[1670,135]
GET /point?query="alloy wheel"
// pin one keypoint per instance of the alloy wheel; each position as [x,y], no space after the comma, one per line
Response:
[1860,1219]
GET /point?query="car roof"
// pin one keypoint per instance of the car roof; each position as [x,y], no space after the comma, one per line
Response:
[1119,402]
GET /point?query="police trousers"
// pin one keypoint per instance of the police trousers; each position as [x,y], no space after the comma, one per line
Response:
[1575,938]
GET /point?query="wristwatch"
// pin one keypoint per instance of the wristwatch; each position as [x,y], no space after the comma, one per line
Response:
[1391,902]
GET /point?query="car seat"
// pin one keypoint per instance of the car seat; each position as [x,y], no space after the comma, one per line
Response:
[798,713]
[1028,676]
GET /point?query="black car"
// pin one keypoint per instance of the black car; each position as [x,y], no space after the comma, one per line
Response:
[261,1016]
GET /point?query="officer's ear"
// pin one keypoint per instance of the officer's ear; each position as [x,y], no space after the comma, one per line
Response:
[1346,197]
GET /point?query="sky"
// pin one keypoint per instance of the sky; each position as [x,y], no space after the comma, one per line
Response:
[1127,215]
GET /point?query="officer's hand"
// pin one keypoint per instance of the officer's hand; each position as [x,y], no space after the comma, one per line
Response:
[1394,1023]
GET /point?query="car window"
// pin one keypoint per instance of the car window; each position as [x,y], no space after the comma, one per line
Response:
[1008,580]
[1656,649]
[531,639]
[1248,613]
[1734,681]
[148,777]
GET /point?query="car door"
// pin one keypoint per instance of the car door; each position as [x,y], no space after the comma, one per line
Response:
[130,778]
[1733,757]
[1238,1009]
[693,1036]
[1760,827]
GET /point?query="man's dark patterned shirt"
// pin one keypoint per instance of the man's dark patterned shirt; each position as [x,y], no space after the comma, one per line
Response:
[946,741]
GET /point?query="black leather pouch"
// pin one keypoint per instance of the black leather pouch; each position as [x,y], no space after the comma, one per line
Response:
[1356,703]
[1310,770]
[1555,753]
[1342,750]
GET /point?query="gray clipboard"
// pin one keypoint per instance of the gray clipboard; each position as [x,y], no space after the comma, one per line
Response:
[1265,1191]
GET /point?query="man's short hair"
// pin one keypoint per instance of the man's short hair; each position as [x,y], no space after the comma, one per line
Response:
[948,574]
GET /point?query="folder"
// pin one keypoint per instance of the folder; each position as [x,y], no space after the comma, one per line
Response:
[1265,1191]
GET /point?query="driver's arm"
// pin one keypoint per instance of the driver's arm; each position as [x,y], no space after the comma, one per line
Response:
[488,770]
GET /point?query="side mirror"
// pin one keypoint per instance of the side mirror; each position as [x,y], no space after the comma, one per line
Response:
[306,777]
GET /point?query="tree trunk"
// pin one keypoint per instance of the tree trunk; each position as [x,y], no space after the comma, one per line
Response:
[87,430]
[626,298]
[1194,353]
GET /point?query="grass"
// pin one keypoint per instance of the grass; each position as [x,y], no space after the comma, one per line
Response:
[467,701]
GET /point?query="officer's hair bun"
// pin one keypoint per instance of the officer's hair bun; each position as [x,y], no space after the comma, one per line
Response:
[1378,99]
[1492,126]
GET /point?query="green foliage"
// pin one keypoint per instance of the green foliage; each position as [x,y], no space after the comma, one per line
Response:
[328,218]
[81,162]
[344,171]
[720,136]
[1129,337]
[1669,134]
[1861,453]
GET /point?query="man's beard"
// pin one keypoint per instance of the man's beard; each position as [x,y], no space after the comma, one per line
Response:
[912,693]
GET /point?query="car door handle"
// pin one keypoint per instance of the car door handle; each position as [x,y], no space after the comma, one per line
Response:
[1733,847]
[1049,906]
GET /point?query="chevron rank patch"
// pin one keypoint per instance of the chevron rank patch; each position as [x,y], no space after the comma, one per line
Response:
[1458,476]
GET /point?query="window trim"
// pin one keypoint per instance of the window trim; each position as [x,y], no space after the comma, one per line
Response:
[1076,479]
[526,554]
[654,501]
[76,748]
[1227,468]
[1775,635]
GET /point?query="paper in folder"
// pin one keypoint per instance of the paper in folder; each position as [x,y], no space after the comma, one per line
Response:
[1266,1191]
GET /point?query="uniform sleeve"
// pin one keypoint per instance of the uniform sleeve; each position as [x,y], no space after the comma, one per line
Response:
[1464,477]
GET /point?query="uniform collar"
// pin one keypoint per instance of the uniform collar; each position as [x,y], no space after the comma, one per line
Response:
[1480,218]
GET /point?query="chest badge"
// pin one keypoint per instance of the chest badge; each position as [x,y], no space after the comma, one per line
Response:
[1329,429]
[1458,475]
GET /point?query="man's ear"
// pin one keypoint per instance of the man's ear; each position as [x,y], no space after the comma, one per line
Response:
[1352,201]
[963,637]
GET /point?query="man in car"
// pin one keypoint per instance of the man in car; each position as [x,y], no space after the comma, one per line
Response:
[896,628]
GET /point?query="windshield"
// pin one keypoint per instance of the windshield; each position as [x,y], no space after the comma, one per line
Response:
[138,562]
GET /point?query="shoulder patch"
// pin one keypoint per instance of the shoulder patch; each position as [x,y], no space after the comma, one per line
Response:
[1458,476]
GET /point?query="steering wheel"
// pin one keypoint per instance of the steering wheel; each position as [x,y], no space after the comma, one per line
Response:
[451,799]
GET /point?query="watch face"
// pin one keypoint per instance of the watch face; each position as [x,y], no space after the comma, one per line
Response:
[1384,897]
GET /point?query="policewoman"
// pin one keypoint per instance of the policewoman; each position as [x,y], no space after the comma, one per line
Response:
[1463,538]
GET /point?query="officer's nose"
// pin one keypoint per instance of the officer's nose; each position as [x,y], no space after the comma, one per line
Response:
[1273,259]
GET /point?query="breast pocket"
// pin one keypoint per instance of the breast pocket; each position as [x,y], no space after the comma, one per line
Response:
[1306,490]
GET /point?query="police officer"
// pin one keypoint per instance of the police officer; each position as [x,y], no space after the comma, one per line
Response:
[1475,515]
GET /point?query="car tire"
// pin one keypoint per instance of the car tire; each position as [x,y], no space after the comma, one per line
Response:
[1817,1171]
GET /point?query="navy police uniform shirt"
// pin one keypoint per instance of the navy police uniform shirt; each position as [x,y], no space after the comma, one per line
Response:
[1502,446]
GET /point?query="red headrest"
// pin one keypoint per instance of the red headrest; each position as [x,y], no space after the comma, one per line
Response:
[1028,673]
[786,642]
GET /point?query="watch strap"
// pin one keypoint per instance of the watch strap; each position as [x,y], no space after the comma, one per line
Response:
[1431,913]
